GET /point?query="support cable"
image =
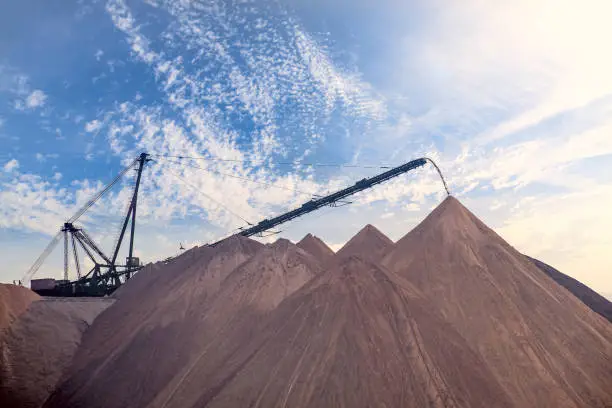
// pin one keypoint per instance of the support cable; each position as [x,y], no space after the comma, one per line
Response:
[91,243]
[178,176]
[244,178]
[41,259]
[87,251]
[95,198]
[294,163]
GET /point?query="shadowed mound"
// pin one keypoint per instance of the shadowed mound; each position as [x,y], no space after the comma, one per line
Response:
[588,296]
[39,346]
[14,300]
[202,315]
[449,316]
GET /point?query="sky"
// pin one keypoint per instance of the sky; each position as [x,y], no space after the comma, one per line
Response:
[512,99]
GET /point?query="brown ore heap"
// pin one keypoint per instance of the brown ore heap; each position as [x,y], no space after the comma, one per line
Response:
[449,316]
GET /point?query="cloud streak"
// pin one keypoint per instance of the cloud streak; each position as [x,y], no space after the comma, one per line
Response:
[256,88]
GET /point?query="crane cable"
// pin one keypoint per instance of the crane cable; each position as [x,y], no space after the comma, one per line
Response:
[287,188]
[95,198]
[207,196]
[294,163]
[243,178]
[39,261]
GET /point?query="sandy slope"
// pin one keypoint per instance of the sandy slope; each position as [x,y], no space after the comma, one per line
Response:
[369,244]
[39,345]
[197,317]
[351,338]
[588,296]
[316,247]
[543,345]
[450,315]
[14,300]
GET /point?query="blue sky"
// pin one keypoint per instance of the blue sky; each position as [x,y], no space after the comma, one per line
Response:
[513,99]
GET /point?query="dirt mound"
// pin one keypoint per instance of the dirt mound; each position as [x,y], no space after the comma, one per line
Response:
[271,275]
[352,337]
[316,247]
[540,342]
[155,275]
[209,307]
[39,346]
[163,293]
[154,279]
[588,296]
[449,316]
[370,244]
[14,300]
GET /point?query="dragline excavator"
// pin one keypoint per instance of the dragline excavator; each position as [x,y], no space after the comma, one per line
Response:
[108,274]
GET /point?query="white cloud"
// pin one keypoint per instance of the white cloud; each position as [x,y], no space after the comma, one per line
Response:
[503,76]
[555,230]
[337,85]
[259,94]
[314,84]
[40,157]
[569,37]
[35,99]
[521,62]
[46,208]
[93,126]
[13,81]
[413,207]
[11,165]
[99,53]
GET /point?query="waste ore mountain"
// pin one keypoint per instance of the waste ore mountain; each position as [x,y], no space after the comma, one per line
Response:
[14,300]
[449,316]
[39,345]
